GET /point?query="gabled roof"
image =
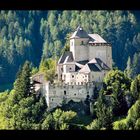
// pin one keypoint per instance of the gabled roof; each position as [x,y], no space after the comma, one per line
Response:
[79,33]
[83,62]
[77,68]
[85,69]
[95,38]
[96,64]
[66,57]
[102,64]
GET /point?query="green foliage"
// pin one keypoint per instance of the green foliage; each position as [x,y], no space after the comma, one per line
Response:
[128,69]
[19,41]
[135,88]
[94,125]
[22,109]
[34,70]
[22,83]
[132,121]
[135,66]
[48,66]
[3,96]
[117,84]
[104,113]
[32,35]
[58,120]
[120,125]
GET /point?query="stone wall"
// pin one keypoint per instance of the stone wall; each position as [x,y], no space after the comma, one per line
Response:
[56,95]
[104,52]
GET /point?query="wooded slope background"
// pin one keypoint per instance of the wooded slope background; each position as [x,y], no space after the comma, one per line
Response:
[34,35]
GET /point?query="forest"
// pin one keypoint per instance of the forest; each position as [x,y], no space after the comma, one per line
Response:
[31,41]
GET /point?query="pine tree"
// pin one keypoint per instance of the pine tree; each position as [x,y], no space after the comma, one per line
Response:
[104,114]
[135,88]
[128,68]
[22,84]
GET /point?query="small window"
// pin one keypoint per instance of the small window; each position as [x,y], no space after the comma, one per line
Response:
[64,92]
[52,99]
[75,94]
[71,43]
[82,42]
[87,96]
[72,76]
[70,68]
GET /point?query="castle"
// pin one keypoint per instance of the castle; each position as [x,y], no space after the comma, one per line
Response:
[79,70]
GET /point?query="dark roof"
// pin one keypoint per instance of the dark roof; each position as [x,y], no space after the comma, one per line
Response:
[93,67]
[77,68]
[96,64]
[83,62]
[80,33]
[102,64]
[65,55]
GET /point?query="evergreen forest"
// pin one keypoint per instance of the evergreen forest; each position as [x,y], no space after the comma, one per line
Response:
[32,42]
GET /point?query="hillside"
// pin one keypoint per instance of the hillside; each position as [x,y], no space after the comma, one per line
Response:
[33,35]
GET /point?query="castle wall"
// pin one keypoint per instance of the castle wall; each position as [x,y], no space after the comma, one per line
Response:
[97,76]
[57,94]
[76,78]
[69,78]
[59,71]
[69,67]
[109,56]
[103,52]
[82,78]
[98,52]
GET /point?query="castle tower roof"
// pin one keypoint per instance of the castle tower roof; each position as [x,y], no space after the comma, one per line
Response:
[66,57]
[79,33]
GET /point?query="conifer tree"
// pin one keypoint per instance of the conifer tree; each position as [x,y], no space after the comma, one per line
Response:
[22,84]
[104,114]
[135,88]
[129,68]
